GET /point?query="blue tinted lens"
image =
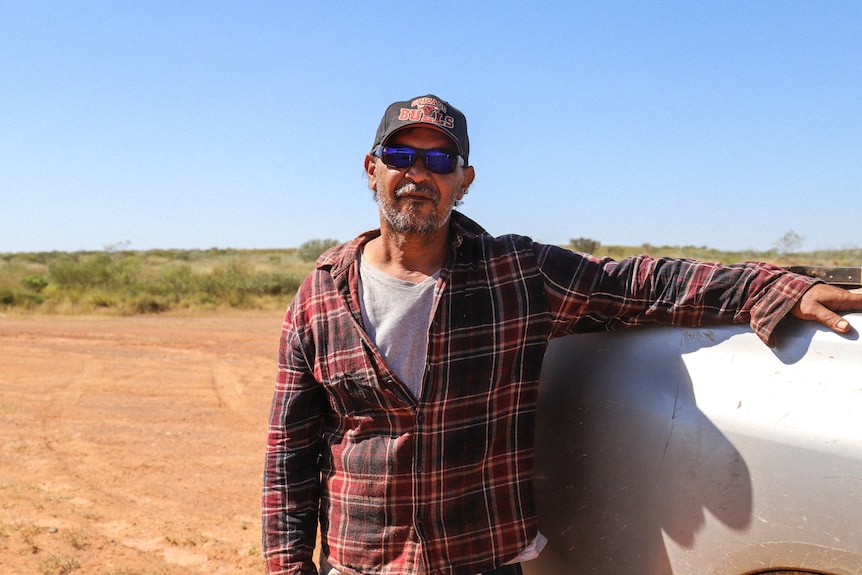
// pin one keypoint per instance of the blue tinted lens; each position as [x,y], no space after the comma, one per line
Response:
[398,157]
[440,162]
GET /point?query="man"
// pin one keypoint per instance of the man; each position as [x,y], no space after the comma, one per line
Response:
[409,363]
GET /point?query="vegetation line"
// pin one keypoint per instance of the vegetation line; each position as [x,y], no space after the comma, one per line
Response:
[126,282]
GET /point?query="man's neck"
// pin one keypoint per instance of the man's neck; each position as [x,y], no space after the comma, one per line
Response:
[410,257]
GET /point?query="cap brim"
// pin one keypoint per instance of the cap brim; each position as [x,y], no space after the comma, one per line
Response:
[427,126]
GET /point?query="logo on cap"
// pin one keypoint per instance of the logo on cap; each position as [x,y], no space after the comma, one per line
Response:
[429,111]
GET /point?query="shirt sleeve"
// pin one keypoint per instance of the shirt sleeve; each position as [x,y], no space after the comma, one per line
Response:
[292,471]
[591,294]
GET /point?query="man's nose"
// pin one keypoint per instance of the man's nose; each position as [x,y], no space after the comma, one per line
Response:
[417,172]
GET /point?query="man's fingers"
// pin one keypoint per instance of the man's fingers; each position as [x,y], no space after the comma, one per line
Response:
[818,303]
[836,323]
[830,319]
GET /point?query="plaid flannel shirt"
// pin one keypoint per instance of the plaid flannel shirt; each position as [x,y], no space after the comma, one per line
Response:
[445,481]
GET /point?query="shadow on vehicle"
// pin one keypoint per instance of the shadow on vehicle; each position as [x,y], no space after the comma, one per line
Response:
[695,451]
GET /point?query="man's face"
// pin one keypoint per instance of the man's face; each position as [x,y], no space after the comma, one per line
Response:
[414,200]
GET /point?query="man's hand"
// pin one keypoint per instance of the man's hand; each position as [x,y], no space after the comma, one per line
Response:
[821,302]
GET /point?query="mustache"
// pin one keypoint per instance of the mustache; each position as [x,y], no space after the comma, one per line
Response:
[424,189]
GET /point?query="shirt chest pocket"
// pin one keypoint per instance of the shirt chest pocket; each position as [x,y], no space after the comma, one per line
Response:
[359,395]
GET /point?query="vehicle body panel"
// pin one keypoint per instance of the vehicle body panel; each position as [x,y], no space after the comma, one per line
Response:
[699,451]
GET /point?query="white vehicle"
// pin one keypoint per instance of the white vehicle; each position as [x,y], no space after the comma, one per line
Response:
[701,452]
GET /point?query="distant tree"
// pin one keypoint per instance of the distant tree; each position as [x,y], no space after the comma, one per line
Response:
[789,242]
[311,250]
[118,247]
[585,245]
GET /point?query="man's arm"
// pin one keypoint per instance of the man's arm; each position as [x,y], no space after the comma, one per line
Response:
[291,489]
[672,291]
[822,302]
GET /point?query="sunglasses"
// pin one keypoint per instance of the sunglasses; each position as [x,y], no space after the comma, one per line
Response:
[437,161]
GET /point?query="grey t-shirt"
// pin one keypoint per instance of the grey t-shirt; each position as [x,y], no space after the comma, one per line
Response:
[397,314]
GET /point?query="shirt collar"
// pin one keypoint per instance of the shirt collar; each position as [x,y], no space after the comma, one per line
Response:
[342,257]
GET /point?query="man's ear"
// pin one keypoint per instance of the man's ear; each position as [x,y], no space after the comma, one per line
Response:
[370,171]
[469,175]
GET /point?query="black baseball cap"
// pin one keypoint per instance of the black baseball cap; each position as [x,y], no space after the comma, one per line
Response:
[428,111]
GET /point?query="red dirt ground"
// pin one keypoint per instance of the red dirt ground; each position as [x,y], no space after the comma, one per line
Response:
[133,446]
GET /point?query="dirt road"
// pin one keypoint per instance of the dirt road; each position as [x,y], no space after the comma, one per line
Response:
[133,446]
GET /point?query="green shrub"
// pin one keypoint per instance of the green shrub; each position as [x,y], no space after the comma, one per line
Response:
[178,281]
[585,245]
[26,300]
[101,299]
[7,297]
[312,249]
[149,304]
[81,272]
[34,283]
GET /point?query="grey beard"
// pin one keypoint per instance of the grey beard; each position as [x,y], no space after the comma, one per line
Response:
[408,222]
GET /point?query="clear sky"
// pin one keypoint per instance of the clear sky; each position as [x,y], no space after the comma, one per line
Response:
[185,124]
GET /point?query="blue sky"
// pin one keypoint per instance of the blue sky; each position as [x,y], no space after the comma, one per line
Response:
[183,124]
